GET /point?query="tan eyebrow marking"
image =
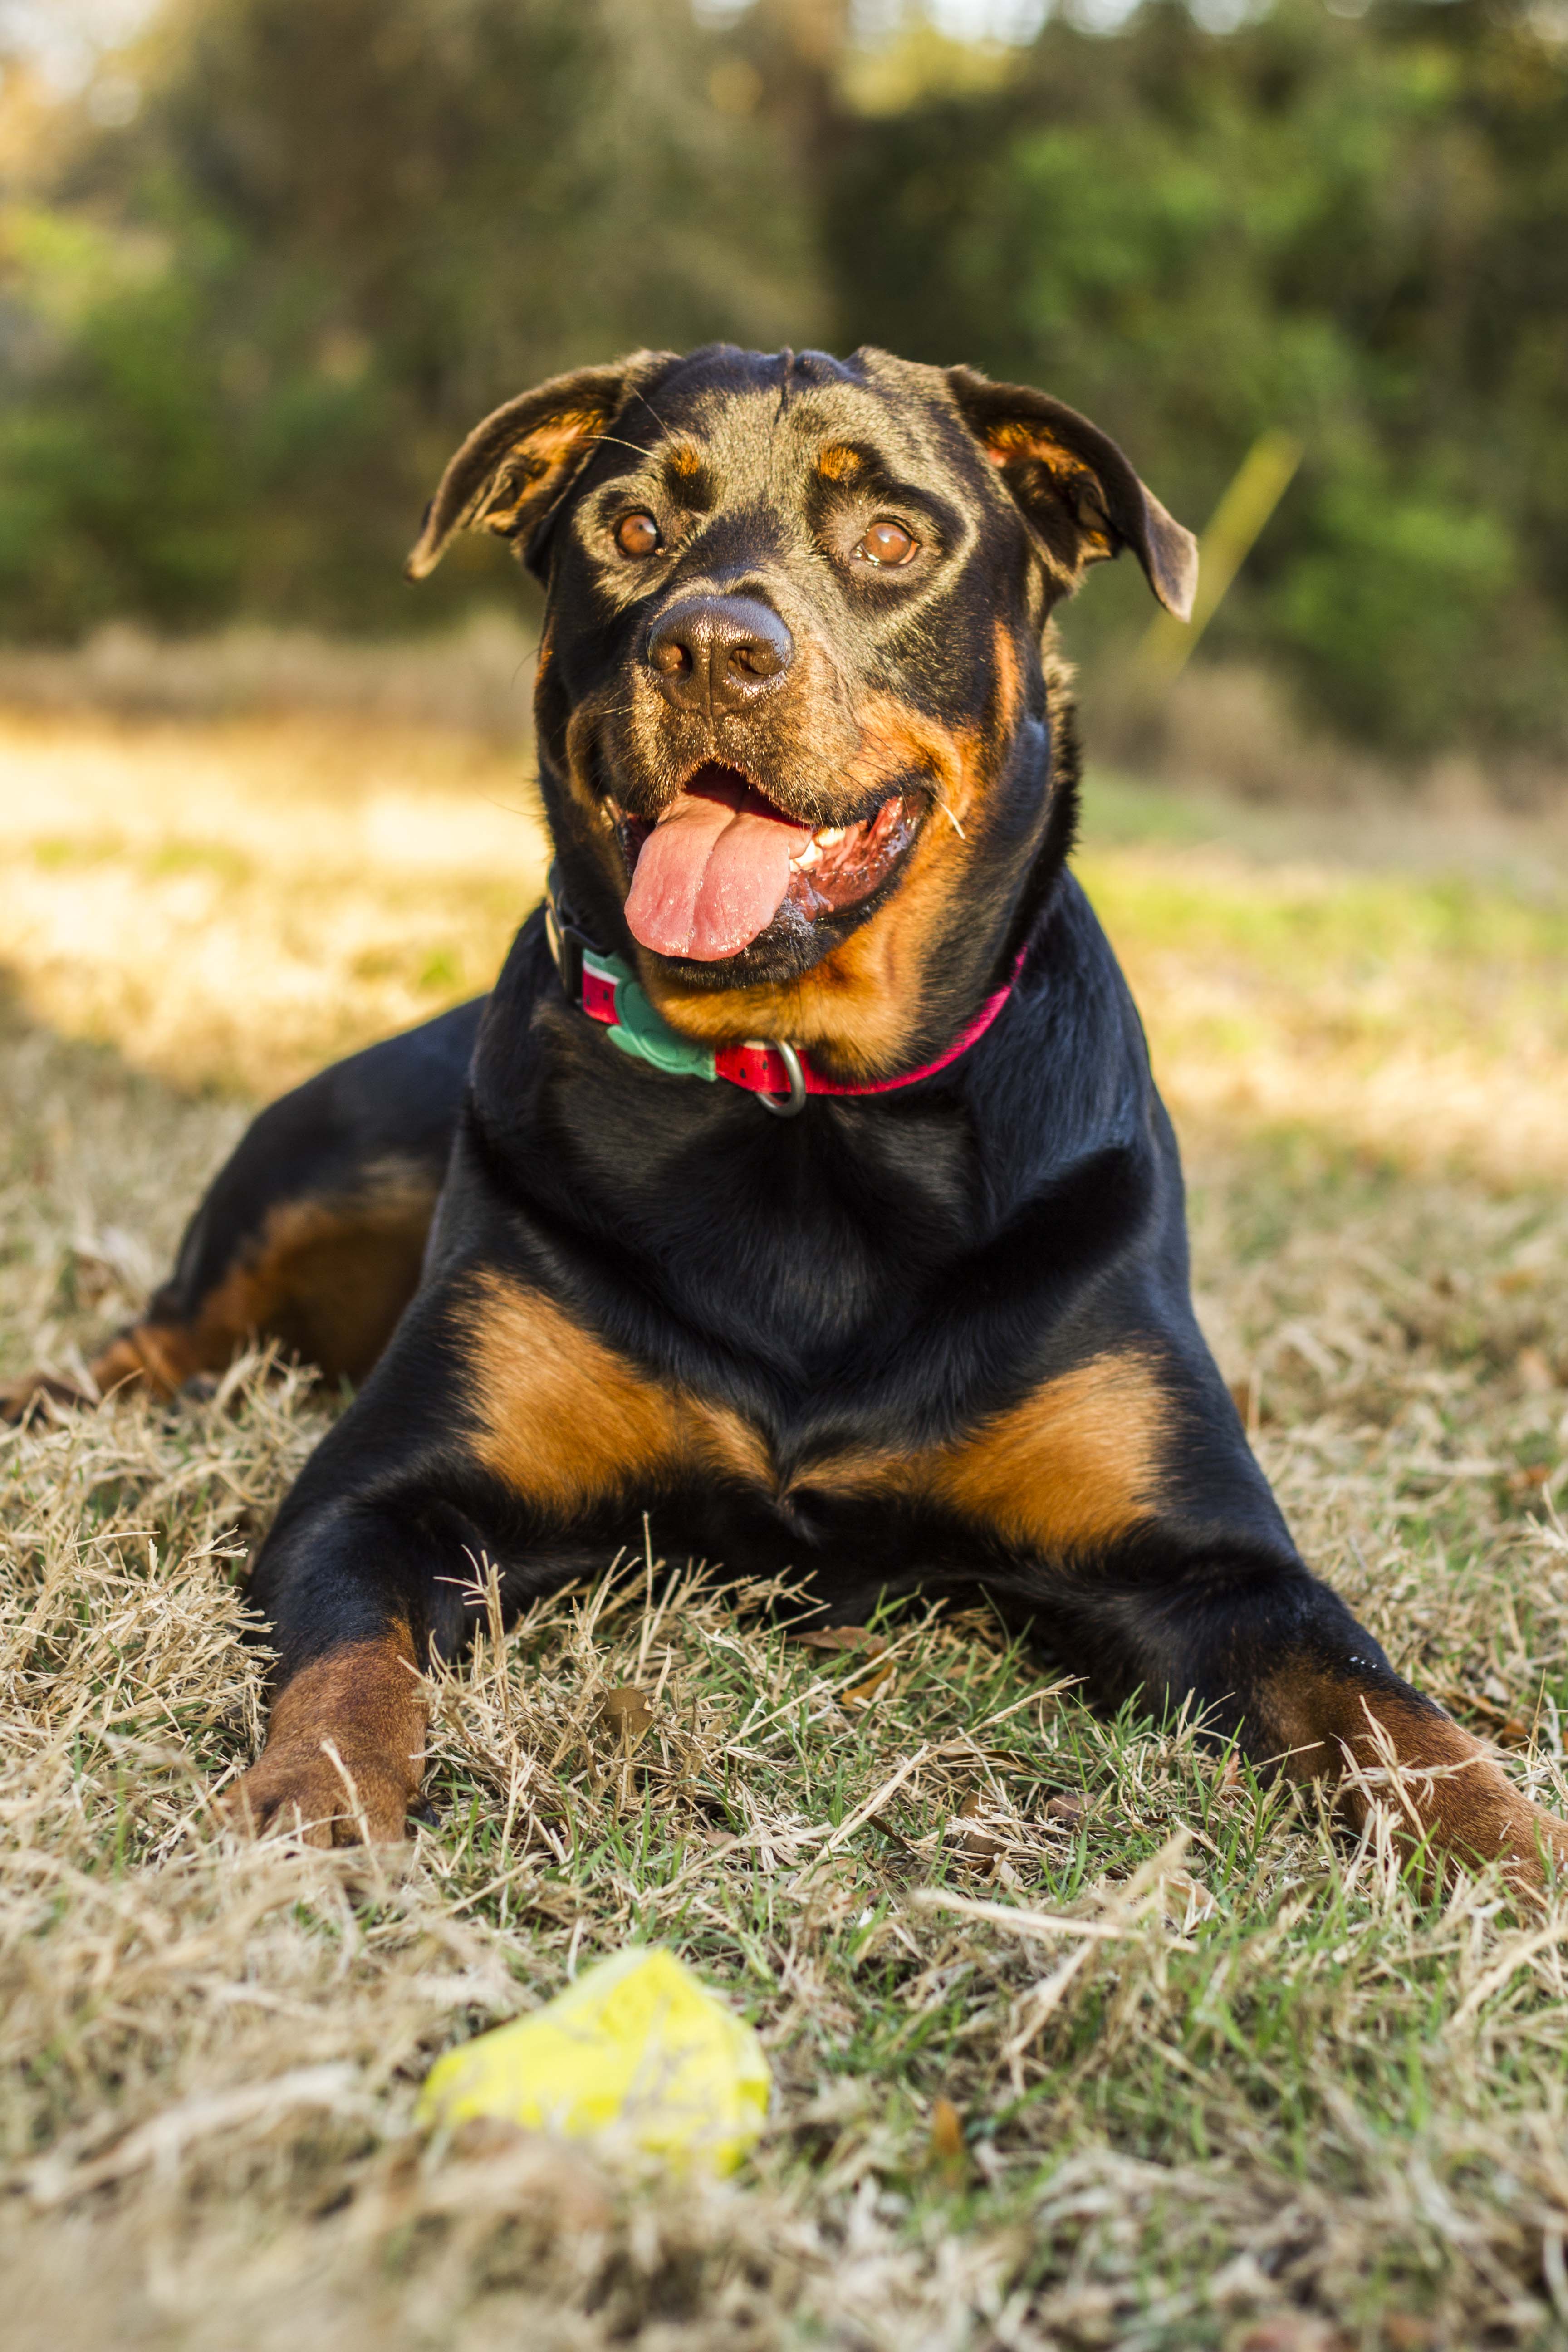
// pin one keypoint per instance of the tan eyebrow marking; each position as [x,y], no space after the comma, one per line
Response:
[837,464]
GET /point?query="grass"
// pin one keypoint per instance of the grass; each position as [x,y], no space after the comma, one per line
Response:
[1282,2099]
[229,903]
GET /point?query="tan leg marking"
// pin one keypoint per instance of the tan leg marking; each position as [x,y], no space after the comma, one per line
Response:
[328,1278]
[35,1387]
[565,1420]
[365,1701]
[1075,1466]
[1446,1783]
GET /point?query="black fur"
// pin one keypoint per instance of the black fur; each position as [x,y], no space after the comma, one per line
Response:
[882,1274]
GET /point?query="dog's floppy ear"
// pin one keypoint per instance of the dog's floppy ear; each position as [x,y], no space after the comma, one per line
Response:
[1077,490]
[512,470]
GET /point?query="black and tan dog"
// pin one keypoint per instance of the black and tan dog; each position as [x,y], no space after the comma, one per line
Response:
[808,757]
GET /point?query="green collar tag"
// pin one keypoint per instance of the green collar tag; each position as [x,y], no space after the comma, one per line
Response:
[636,1027]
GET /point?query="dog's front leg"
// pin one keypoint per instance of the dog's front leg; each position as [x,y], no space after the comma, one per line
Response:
[1348,1720]
[344,1748]
[496,1430]
[1160,1561]
[1274,1657]
[349,1590]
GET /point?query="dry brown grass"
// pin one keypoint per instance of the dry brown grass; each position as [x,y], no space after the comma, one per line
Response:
[472,680]
[1288,2100]
[234,902]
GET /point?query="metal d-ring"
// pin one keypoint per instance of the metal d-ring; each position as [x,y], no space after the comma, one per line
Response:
[794,1102]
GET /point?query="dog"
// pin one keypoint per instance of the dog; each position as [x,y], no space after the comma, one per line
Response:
[802,1182]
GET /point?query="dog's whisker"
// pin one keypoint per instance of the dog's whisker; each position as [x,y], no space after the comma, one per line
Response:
[637,394]
[616,441]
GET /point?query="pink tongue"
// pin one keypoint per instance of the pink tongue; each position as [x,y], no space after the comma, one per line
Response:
[713,874]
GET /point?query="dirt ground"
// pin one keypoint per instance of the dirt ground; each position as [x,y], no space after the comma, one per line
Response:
[1226,2076]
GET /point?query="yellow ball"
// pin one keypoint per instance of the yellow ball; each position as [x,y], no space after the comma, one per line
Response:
[638,2047]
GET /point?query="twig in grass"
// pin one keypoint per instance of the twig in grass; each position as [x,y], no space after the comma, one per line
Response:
[1030,1698]
[1033,2008]
[1514,1957]
[873,1804]
[1032,1923]
[356,1806]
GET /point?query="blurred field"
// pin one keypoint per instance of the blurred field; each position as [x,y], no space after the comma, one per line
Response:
[1391,980]
[1287,2104]
[230,902]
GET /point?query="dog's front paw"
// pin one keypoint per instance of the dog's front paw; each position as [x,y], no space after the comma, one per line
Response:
[39,1393]
[1532,1845]
[315,1792]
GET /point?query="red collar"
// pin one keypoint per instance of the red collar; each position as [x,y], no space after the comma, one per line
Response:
[606,988]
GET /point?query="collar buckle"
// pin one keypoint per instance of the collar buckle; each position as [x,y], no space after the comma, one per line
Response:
[567,944]
[788,1106]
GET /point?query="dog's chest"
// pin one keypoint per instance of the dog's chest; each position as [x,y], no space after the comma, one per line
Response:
[857,1484]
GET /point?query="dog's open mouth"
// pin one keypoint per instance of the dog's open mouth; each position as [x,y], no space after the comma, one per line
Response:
[723,860]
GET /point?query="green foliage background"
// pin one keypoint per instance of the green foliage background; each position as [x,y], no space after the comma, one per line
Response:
[239,334]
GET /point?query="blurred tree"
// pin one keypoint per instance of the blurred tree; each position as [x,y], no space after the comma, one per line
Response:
[1355,229]
[338,233]
[241,328]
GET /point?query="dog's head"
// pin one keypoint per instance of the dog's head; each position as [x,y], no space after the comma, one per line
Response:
[792,709]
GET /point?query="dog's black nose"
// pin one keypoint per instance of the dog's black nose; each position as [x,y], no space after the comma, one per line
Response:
[717,652]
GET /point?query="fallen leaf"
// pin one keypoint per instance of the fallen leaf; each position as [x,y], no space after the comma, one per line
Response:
[1067,1812]
[1536,1375]
[1184,1900]
[1294,2331]
[1531,1480]
[860,1692]
[1492,1709]
[947,2145]
[627,1710]
[978,1843]
[844,1637]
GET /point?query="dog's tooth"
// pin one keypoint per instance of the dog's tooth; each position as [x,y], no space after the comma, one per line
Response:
[805,857]
[829,836]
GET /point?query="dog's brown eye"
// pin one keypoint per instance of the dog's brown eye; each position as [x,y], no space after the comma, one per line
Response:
[887,544]
[637,534]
